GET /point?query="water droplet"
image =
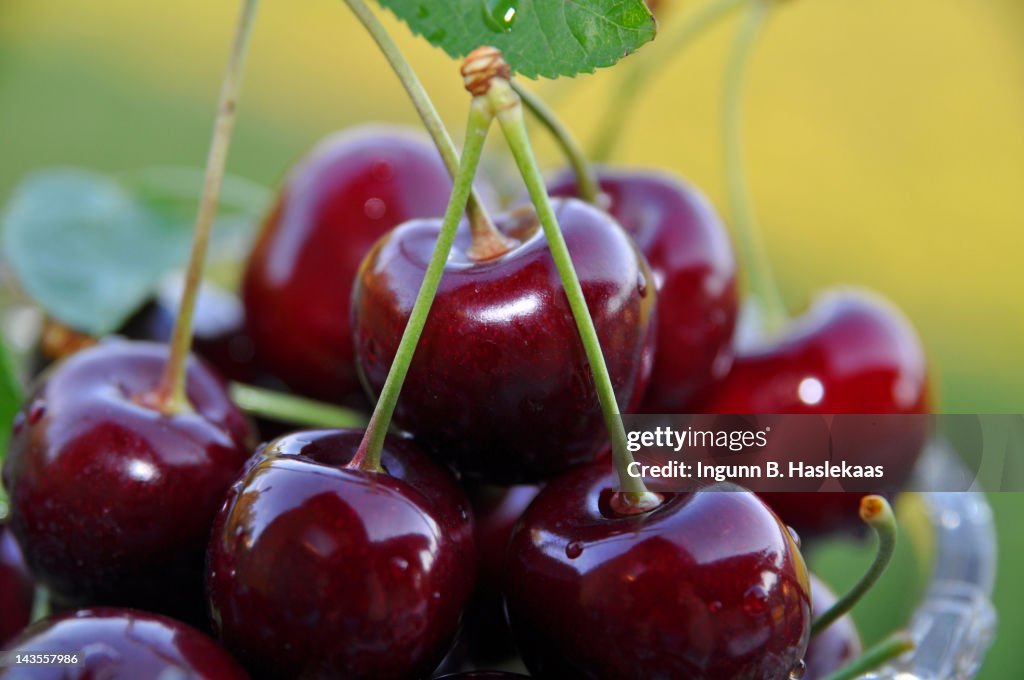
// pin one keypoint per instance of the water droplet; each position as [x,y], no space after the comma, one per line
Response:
[435,596]
[799,670]
[795,536]
[714,606]
[499,15]
[755,601]
[400,563]
[641,284]
[573,550]
[374,208]
[36,412]
[19,422]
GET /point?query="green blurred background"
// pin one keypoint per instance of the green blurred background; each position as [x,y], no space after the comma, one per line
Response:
[885,145]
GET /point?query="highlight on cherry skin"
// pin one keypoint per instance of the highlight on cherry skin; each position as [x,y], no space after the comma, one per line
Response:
[499,385]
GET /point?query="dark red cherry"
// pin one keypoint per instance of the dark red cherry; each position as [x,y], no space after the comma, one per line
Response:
[111,500]
[834,647]
[350,190]
[851,352]
[16,588]
[678,230]
[709,585]
[121,644]
[316,570]
[219,333]
[499,386]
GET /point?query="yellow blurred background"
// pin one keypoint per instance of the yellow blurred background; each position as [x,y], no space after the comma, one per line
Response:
[885,142]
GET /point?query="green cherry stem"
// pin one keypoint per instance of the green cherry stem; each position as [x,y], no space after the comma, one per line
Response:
[876,512]
[887,650]
[368,454]
[487,240]
[761,284]
[586,179]
[170,395]
[491,85]
[292,409]
[647,63]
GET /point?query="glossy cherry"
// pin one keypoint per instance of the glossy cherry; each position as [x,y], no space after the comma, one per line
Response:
[834,647]
[709,585]
[16,588]
[851,352]
[499,386]
[112,500]
[678,230]
[350,190]
[122,644]
[318,570]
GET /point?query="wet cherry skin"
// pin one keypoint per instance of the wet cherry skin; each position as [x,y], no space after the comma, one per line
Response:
[122,644]
[709,585]
[834,647]
[851,352]
[499,386]
[16,588]
[678,230]
[352,188]
[317,570]
[112,500]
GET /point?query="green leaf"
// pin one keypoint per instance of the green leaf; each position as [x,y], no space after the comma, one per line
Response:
[10,400]
[90,251]
[547,38]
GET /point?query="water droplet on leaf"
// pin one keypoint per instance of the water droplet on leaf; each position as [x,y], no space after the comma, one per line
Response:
[499,15]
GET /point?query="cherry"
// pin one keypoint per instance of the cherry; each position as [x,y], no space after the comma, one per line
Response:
[499,385]
[16,588]
[835,646]
[708,584]
[351,189]
[121,644]
[112,500]
[684,241]
[319,569]
[851,352]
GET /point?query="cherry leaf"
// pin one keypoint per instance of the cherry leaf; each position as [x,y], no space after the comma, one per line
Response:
[548,38]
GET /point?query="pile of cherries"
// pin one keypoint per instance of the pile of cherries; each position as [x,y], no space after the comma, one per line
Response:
[154,534]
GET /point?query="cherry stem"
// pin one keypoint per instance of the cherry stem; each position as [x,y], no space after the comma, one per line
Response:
[645,65]
[876,512]
[368,454]
[507,108]
[886,650]
[487,240]
[761,282]
[586,179]
[170,395]
[292,409]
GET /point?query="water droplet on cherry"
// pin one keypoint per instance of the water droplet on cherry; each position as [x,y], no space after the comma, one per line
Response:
[573,550]
[641,284]
[715,606]
[799,670]
[794,535]
[374,208]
